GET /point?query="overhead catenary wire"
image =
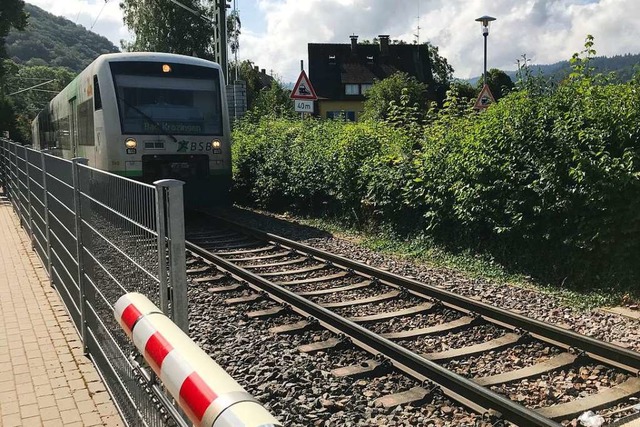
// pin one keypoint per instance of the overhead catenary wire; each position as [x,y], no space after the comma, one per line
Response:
[30,78]
[99,13]
[195,12]
[32,87]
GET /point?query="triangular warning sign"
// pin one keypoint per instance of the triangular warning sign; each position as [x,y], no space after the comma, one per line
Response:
[485,98]
[303,88]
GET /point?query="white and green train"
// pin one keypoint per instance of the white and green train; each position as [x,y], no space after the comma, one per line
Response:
[146,116]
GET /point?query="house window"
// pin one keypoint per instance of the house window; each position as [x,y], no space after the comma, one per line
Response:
[365,87]
[351,89]
[342,115]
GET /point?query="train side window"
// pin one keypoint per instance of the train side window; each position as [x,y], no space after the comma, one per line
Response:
[97,100]
[85,123]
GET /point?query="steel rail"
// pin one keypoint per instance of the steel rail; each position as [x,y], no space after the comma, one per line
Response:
[549,331]
[399,356]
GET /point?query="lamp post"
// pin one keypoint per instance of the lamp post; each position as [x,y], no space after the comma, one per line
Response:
[484,22]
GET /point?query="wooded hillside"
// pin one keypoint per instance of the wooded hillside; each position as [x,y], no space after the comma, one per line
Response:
[625,66]
[55,41]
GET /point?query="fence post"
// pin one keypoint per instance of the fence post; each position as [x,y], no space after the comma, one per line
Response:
[171,212]
[80,249]
[161,226]
[3,165]
[16,183]
[3,175]
[45,202]
[29,205]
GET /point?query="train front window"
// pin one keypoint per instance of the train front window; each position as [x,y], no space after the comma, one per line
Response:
[185,101]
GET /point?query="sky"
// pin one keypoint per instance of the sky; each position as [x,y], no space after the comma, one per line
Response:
[275,33]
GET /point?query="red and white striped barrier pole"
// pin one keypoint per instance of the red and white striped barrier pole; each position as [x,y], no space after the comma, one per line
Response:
[205,392]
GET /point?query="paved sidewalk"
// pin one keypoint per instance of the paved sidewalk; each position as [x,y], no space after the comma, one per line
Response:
[44,377]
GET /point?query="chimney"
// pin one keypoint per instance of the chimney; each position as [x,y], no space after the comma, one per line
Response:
[354,43]
[384,44]
[256,68]
[263,71]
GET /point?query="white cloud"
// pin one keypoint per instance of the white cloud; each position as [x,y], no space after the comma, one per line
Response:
[545,30]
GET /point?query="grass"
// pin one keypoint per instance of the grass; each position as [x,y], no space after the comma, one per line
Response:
[422,250]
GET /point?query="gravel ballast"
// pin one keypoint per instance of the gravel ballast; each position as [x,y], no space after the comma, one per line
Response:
[608,327]
[564,385]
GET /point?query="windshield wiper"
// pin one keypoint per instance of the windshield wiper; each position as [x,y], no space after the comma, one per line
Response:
[149,119]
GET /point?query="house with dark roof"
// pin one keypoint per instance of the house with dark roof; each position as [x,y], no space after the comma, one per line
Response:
[341,74]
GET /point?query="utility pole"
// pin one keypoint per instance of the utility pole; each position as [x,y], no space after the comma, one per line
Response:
[220,31]
[221,36]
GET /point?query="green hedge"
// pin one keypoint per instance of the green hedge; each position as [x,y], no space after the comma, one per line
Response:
[306,165]
[549,182]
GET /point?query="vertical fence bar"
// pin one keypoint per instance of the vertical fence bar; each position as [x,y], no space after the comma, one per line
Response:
[80,250]
[3,165]
[16,183]
[29,203]
[20,187]
[3,175]
[7,170]
[45,202]
[3,146]
[173,198]
[177,256]
[161,225]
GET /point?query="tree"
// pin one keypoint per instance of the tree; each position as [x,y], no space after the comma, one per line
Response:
[440,68]
[463,89]
[273,100]
[399,89]
[163,26]
[246,71]
[233,31]
[55,41]
[499,83]
[12,15]
[27,104]
[8,117]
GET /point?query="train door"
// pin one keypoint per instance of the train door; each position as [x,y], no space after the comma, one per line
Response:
[73,127]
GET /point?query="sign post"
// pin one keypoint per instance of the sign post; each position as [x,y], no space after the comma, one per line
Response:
[303,94]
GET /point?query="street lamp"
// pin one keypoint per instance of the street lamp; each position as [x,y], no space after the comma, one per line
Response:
[484,22]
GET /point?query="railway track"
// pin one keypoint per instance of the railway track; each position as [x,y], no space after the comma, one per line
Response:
[446,342]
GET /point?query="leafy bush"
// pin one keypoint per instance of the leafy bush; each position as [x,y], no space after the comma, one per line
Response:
[282,163]
[547,181]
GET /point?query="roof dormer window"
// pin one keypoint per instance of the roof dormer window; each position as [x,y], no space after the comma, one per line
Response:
[352,89]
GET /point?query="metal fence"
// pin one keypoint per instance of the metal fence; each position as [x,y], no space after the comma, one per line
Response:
[101,236]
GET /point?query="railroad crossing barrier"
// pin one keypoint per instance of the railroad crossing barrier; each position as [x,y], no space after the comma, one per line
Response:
[206,393]
[101,236]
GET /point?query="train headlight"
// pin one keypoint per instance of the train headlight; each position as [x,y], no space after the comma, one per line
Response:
[215,143]
[130,143]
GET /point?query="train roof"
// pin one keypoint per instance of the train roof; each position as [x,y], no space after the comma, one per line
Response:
[153,57]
